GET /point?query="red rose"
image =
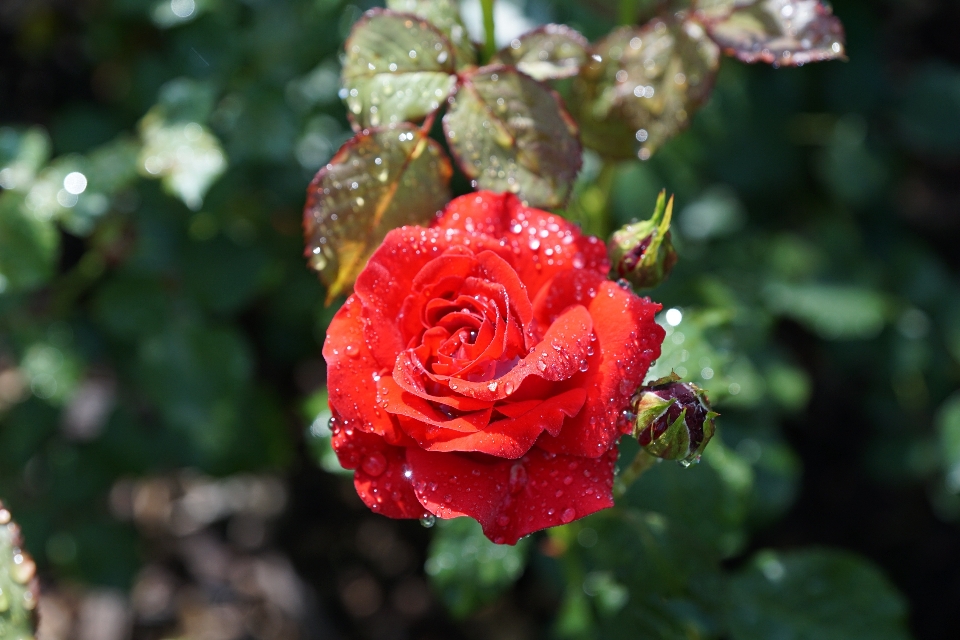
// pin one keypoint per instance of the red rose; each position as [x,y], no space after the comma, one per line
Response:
[480,368]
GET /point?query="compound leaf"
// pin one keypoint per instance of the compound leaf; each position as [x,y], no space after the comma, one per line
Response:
[398,68]
[379,180]
[551,52]
[642,85]
[509,132]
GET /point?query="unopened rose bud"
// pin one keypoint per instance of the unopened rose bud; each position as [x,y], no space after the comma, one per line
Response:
[674,419]
[642,252]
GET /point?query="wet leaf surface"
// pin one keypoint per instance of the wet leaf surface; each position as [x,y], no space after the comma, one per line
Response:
[379,180]
[642,86]
[397,68]
[445,16]
[510,133]
[551,52]
[782,32]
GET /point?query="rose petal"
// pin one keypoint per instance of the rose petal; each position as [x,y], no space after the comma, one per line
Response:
[537,243]
[555,358]
[379,473]
[506,438]
[352,372]
[511,499]
[628,340]
[385,284]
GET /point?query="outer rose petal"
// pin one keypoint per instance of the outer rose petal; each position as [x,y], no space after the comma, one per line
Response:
[512,498]
[351,371]
[628,340]
[378,475]
[540,243]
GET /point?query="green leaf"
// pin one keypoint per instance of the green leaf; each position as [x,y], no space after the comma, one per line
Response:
[22,155]
[948,431]
[817,594]
[509,132]
[468,570]
[835,312]
[398,68]
[551,52]
[28,245]
[185,155]
[445,16]
[642,573]
[642,85]
[779,32]
[378,181]
[19,588]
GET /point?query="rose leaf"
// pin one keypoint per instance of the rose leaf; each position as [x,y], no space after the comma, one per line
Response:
[379,180]
[642,85]
[551,52]
[445,16]
[398,68]
[782,32]
[510,132]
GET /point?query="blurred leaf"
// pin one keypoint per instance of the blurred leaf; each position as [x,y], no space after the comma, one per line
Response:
[130,306]
[54,371]
[551,52]
[467,570]
[397,68]
[781,32]
[815,594]
[445,16]
[642,86]
[186,100]
[835,312]
[22,155]
[510,133]
[948,429]
[716,213]
[185,155]
[19,588]
[639,570]
[708,500]
[378,181]
[28,245]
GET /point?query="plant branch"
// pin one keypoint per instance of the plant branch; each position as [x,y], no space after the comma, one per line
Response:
[490,45]
[641,462]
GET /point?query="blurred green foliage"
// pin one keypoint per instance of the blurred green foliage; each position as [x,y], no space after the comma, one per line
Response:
[162,316]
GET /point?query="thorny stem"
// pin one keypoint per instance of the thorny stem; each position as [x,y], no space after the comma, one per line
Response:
[641,462]
[490,45]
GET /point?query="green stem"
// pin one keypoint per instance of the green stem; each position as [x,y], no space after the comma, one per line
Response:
[641,462]
[490,46]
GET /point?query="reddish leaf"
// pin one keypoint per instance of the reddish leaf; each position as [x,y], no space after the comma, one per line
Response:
[398,68]
[642,85]
[510,133]
[379,180]
[782,32]
[550,52]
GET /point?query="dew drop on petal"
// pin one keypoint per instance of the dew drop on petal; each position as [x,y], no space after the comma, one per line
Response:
[374,464]
[569,515]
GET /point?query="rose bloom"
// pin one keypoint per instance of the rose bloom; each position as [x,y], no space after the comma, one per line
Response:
[480,368]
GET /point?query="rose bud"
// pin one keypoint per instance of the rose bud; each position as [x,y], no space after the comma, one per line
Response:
[674,419]
[642,252]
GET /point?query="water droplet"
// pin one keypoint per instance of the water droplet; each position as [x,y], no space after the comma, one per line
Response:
[427,520]
[503,520]
[569,515]
[492,386]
